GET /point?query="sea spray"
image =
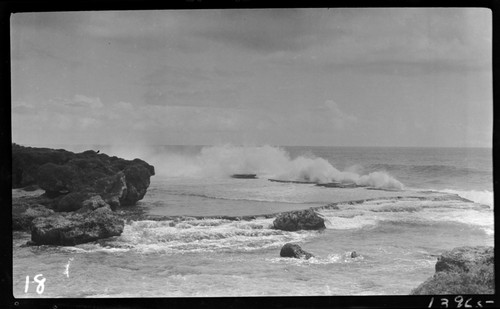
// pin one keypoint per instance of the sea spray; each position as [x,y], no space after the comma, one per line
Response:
[265,161]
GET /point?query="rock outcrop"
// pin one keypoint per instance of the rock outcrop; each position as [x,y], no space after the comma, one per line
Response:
[463,258]
[75,228]
[27,160]
[294,251]
[299,220]
[81,192]
[71,178]
[24,214]
[463,270]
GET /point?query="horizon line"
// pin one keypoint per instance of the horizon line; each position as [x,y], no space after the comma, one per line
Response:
[246,145]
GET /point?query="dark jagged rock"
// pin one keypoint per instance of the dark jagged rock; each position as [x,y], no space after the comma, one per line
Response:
[462,258]
[93,203]
[24,213]
[294,251]
[299,220]
[76,228]
[137,180]
[70,178]
[112,189]
[463,270]
[244,176]
[71,201]
[292,181]
[27,160]
[57,179]
[83,188]
[354,254]
[338,185]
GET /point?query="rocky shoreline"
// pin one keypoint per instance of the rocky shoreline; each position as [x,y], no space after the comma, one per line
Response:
[462,270]
[81,192]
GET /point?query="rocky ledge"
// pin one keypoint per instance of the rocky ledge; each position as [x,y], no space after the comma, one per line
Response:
[463,270]
[81,192]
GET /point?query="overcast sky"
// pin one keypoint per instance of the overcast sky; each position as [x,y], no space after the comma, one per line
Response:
[340,77]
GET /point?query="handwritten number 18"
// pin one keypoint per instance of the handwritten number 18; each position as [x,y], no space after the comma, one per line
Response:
[38,279]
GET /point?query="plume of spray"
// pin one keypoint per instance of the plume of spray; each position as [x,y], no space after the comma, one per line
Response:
[266,161]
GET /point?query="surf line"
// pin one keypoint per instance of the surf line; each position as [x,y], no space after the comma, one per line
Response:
[334,205]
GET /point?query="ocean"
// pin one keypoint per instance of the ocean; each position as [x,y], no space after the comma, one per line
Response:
[414,204]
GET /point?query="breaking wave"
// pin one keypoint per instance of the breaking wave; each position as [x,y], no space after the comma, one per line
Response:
[203,235]
[265,161]
[408,212]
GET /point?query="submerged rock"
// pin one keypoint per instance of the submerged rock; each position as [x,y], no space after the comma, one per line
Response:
[354,254]
[463,270]
[244,176]
[306,219]
[294,251]
[293,181]
[337,185]
[76,228]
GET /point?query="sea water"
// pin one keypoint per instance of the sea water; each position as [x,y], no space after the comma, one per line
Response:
[414,204]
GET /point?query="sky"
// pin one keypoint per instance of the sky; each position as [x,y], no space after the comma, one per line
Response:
[319,77]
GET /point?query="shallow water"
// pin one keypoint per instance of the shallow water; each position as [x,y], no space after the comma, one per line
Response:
[213,257]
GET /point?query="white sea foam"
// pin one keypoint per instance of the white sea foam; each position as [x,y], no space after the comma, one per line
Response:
[205,235]
[484,197]
[332,258]
[411,211]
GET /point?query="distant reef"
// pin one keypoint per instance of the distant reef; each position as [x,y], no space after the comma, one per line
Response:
[81,192]
[463,270]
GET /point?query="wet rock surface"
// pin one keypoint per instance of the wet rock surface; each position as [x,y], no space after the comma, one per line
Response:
[306,219]
[294,251]
[75,228]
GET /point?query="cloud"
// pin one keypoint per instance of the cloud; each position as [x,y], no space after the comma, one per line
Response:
[400,41]
[263,30]
[260,30]
[84,101]
[20,107]
[409,37]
